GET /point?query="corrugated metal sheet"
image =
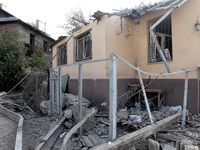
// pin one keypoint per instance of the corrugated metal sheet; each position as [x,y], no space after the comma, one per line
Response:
[137,12]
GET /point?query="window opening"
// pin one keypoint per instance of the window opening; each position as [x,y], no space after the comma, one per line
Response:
[84,46]
[163,32]
[46,46]
[32,39]
[62,54]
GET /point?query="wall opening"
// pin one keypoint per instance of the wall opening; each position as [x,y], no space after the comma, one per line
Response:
[163,33]
[84,46]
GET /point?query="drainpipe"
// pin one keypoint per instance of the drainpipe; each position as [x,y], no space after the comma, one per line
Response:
[152,34]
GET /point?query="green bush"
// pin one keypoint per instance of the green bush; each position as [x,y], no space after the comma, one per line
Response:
[12,61]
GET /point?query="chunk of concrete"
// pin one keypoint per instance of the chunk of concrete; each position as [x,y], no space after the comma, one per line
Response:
[137,105]
[185,142]
[72,99]
[90,123]
[123,115]
[92,139]
[68,124]
[86,141]
[45,107]
[191,147]
[104,104]
[168,147]
[159,116]
[153,145]
[68,113]
[164,109]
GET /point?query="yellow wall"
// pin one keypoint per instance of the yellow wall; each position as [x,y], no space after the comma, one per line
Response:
[185,41]
[93,70]
[122,43]
[132,44]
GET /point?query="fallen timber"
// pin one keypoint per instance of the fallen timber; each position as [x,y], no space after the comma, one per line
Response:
[131,139]
[76,127]
[51,137]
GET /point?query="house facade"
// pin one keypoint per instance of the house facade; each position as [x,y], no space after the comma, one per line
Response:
[128,35]
[32,36]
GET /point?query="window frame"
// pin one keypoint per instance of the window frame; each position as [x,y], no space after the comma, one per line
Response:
[62,54]
[162,36]
[84,53]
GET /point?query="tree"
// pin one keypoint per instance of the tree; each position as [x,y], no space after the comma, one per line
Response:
[75,20]
[14,63]
[38,60]
[12,60]
[32,23]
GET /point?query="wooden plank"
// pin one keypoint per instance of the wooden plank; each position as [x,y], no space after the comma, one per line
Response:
[2,93]
[75,128]
[51,137]
[170,137]
[131,139]
[173,131]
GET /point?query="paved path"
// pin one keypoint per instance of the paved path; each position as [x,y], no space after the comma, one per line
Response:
[8,130]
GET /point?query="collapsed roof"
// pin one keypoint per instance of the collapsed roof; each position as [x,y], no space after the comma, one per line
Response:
[137,12]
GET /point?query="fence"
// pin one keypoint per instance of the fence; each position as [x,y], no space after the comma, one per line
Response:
[112,90]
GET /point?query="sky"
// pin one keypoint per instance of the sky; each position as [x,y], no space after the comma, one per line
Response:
[52,12]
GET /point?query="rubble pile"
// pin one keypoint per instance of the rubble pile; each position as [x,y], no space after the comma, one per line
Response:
[175,136]
[96,128]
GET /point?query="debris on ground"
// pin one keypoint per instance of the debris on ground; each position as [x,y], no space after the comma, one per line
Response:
[96,128]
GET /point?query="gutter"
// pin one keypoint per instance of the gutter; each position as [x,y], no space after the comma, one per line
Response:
[152,34]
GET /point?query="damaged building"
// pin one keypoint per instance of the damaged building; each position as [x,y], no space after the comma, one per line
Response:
[32,36]
[124,81]
[127,33]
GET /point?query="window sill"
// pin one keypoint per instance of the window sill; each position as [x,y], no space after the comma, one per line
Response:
[160,62]
[62,65]
[88,59]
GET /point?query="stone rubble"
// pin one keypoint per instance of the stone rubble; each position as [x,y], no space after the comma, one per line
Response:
[96,129]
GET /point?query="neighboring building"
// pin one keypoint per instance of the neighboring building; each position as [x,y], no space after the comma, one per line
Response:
[127,34]
[32,36]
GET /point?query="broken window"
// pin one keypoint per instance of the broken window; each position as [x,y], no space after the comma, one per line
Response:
[31,45]
[163,33]
[62,54]
[84,46]
[46,46]
[32,39]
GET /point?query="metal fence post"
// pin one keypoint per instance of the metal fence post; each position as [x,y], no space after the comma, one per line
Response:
[185,98]
[113,98]
[145,96]
[197,90]
[57,97]
[60,91]
[36,90]
[50,90]
[80,92]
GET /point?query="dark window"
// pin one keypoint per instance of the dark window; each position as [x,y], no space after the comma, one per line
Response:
[62,54]
[32,39]
[163,32]
[31,45]
[84,46]
[46,46]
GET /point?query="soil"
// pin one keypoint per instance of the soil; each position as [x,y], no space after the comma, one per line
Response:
[33,130]
[35,127]
[8,130]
